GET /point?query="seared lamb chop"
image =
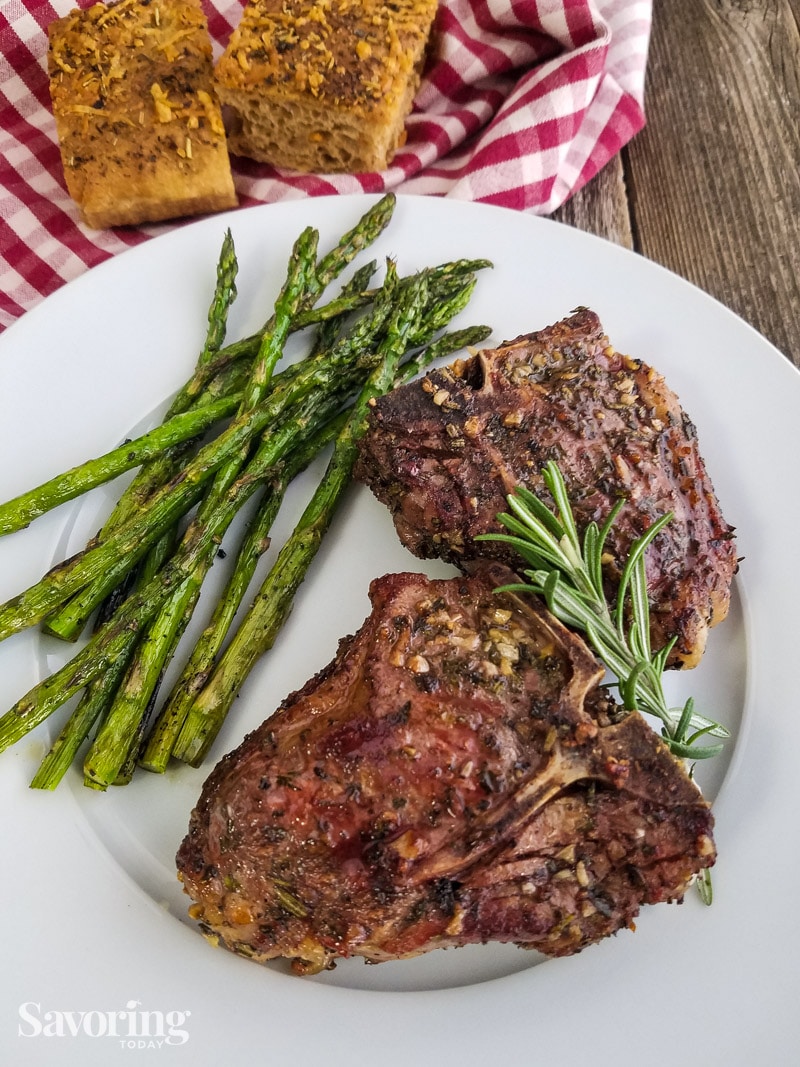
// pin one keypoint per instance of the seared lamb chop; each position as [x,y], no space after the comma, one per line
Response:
[444,452]
[454,776]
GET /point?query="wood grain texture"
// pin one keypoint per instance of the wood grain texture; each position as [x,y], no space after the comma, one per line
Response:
[714,179]
[711,187]
[601,207]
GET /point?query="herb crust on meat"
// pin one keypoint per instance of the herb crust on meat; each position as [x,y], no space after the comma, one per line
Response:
[456,775]
[445,451]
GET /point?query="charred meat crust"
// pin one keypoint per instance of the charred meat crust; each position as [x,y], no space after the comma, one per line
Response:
[455,775]
[444,452]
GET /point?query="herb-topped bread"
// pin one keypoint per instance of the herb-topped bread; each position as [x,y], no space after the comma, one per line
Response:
[139,126]
[323,85]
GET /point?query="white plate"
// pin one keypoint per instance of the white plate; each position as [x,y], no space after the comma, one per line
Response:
[94,919]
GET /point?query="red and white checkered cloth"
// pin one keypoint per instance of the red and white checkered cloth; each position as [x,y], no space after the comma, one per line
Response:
[522,103]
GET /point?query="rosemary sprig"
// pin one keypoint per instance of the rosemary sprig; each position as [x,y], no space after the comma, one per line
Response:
[567,572]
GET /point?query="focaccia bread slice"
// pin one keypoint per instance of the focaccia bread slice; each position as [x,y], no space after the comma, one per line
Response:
[323,85]
[138,122]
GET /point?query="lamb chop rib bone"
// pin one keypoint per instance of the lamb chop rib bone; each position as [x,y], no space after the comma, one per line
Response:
[563,767]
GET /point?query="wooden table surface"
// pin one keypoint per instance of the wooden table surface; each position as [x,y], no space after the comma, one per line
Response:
[711,187]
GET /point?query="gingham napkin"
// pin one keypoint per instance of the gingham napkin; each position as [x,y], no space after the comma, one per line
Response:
[523,101]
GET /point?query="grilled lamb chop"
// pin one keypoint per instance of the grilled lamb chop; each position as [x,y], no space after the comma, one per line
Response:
[444,452]
[454,776]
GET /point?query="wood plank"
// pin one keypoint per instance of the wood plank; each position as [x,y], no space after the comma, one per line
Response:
[601,206]
[714,178]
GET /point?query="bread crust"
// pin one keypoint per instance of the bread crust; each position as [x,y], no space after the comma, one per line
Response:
[139,126]
[323,85]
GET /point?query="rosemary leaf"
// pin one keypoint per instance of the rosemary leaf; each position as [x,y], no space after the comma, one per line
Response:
[567,573]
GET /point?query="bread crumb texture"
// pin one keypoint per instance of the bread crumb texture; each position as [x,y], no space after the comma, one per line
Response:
[138,122]
[323,86]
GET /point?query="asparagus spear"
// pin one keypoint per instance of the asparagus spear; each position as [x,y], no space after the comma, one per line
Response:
[213,362]
[199,668]
[95,700]
[243,351]
[124,720]
[299,281]
[158,471]
[364,233]
[223,298]
[328,330]
[254,544]
[106,591]
[130,542]
[113,742]
[111,640]
[120,728]
[91,707]
[103,688]
[74,609]
[69,619]
[69,622]
[200,664]
[269,610]
[227,385]
[151,564]
[110,643]
[23,509]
